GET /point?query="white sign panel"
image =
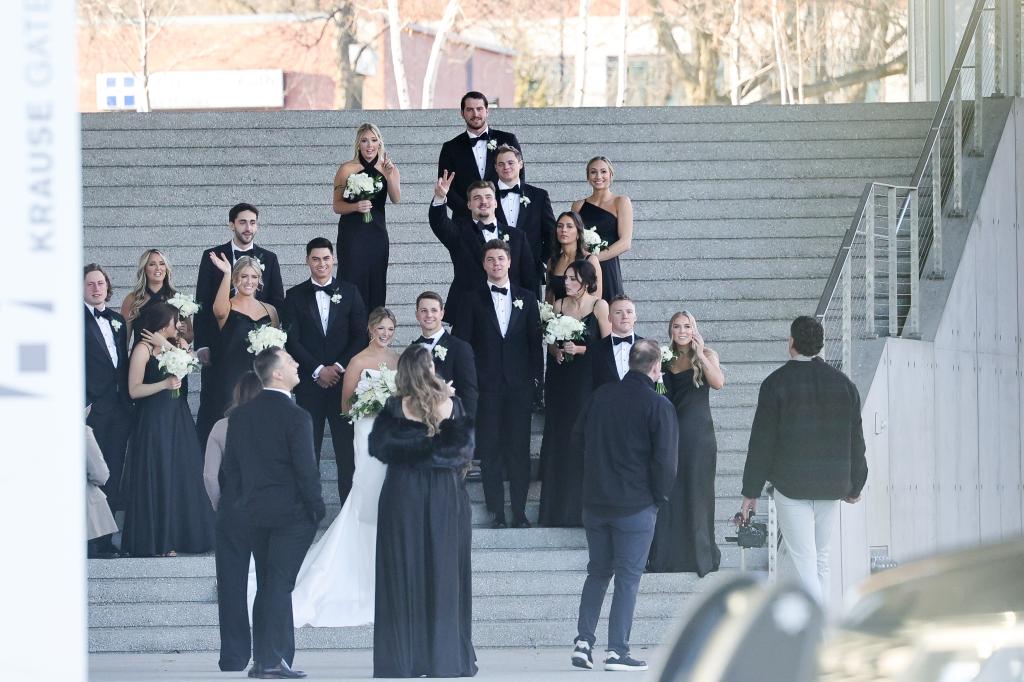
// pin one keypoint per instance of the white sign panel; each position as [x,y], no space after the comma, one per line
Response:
[242,89]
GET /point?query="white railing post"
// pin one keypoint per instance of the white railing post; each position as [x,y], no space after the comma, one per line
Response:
[893,270]
[869,266]
[912,328]
[848,315]
[997,48]
[979,86]
[958,153]
[936,247]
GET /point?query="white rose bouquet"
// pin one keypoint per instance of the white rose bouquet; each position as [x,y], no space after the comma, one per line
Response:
[266,337]
[371,393]
[547,312]
[177,362]
[562,328]
[186,305]
[360,187]
[593,241]
[667,356]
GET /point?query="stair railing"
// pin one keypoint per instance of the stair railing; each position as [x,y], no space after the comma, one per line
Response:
[873,287]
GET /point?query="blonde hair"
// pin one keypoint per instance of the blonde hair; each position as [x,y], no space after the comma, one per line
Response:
[241,264]
[378,315]
[140,292]
[689,353]
[611,168]
[368,128]
[425,390]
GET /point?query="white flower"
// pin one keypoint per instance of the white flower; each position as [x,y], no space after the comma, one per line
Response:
[336,298]
[259,263]
[372,392]
[547,312]
[563,328]
[186,305]
[440,352]
[518,303]
[667,354]
[361,186]
[115,325]
[492,144]
[593,241]
[266,337]
[505,236]
[525,201]
[177,361]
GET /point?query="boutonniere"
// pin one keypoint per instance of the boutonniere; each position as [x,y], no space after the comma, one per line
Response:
[525,201]
[440,352]
[505,237]
[115,325]
[492,144]
[518,303]
[336,298]
[259,263]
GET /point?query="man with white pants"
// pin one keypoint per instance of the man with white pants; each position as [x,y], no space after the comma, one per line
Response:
[806,439]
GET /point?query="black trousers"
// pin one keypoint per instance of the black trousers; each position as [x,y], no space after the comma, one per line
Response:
[211,405]
[234,547]
[324,406]
[503,447]
[278,552]
[112,425]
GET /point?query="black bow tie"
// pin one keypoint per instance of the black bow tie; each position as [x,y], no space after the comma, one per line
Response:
[501,290]
[474,140]
[505,192]
[616,340]
[493,227]
[425,340]
[97,313]
[240,254]
[327,288]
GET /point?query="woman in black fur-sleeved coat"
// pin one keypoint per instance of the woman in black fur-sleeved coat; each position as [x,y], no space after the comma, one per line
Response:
[423,609]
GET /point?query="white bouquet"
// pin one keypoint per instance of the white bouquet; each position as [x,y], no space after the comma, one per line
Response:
[547,312]
[667,356]
[266,337]
[361,186]
[562,328]
[186,305]
[593,241]
[177,362]
[372,392]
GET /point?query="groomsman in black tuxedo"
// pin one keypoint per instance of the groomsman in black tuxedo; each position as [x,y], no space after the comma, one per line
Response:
[453,357]
[501,322]
[106,387]
[269,453]
[525,207]
[326,323]
[243,222]
[465,239]
[611,354]
[470,155]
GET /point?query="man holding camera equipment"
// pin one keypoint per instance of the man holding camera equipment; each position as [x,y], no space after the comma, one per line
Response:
[808,441]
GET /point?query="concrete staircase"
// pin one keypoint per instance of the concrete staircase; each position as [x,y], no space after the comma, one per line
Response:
[739,213]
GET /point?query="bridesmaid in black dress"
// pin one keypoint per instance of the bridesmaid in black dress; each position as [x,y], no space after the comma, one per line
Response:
[152,285]
[363,246]
[567,385]
[684,537]
[568,247]
[612,215]
[423,613]
[237,316]
[167,510]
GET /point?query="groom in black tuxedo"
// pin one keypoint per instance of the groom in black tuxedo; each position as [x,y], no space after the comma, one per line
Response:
[465,239]
[611,354]
[269,452]
[501,322]
[524,207]
[326,323]
[453,357]
[470,155]
[243,221]
[106,387]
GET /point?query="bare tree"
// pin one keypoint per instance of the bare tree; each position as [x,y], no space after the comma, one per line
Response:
[580,80]
[620,99]
[451,10]
[397,58]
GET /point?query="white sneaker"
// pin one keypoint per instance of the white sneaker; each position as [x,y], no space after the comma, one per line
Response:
[582,657]
[623,663]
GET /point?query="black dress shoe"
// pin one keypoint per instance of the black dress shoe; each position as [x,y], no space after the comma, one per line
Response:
[521,523]
[499,523]
[280,672]
[254,671]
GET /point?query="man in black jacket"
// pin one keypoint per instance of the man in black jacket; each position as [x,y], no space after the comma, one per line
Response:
[453,357]
[470,155]
[326,324]
[611,354]
[269,453]
[630,440]
[524,207]
[808,441]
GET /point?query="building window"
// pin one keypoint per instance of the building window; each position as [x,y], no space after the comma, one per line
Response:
[115,92]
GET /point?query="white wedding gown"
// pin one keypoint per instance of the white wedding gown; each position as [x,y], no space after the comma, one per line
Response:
[335,585]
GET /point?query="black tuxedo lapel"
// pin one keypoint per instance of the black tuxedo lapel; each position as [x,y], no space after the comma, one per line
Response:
[440,364]
[332,308]
[314,310]
[517,313]
[94,327]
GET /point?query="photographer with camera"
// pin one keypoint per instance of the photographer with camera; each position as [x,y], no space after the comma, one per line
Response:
[808,441]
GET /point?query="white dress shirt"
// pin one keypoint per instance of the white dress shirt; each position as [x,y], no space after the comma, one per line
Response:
[106,331]
[236,247]
[510,204]
[433,339]
[479,152]
[490,232]
[621,352]
[502,304]
[323,305]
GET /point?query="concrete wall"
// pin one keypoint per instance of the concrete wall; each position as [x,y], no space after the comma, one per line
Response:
[943,415]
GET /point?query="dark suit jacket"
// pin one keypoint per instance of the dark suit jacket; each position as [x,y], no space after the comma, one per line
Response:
[269,464]
[603,362]
[514,361]
[458,367]
[537,221]
[807,437]
[208,282]
[307,343]
[465,246]
[106,386]
[630,440]
[457,157]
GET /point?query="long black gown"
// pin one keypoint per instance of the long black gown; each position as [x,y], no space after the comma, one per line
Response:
[161,296]
[607,225]
[566,388]
[423,613]
[684,537]
[363,247]
[233,357]
[167,507]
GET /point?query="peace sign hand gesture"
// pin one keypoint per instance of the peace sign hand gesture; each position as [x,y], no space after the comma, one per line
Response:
[388,166]
[443,184]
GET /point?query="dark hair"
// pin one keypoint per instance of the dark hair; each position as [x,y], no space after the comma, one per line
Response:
[431,295]
[238,208]
[480,184]
[586,273]
[505,149]
[472,94]
[497,245]
[267,360]
[96,267]
[581,245]
[619,297]
[644,355]
[156,316]
[808,335]
[319,243]
[247,388]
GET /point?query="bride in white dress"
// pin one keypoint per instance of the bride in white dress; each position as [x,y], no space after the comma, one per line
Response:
[335,586]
